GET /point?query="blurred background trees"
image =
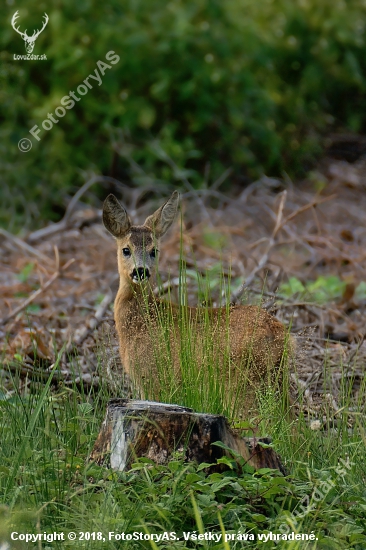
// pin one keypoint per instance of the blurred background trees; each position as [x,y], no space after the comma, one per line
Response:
[201,86]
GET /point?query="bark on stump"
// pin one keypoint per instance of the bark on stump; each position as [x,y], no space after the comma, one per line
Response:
[154,430]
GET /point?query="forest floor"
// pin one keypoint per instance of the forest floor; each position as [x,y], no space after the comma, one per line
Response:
[300,248]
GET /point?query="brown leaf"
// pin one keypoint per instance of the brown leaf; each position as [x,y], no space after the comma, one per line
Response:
[347,235]
[29,342]
[348,293]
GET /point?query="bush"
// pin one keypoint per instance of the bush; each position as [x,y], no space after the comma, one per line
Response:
[239,83]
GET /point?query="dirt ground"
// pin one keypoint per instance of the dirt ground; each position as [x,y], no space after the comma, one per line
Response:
[57,285]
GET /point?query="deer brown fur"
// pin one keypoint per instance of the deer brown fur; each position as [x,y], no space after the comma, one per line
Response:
[247,343]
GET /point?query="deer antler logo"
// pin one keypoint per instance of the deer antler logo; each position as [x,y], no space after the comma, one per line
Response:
[29,40]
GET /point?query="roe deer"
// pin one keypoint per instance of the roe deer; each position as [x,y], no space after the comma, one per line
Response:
[246,343]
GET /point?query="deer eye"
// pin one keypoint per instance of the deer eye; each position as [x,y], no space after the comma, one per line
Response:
[126,252]
[154,253]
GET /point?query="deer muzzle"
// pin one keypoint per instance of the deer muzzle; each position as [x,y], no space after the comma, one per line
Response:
[140,274]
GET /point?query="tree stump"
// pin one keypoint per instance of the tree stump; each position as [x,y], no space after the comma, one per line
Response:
[154,430]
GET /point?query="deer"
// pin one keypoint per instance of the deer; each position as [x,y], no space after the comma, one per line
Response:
[246,342]
[29,40]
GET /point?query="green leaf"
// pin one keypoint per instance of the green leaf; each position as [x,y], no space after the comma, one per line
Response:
[227,461]
[192,478]
[174,465]
[203,466]
[25,273]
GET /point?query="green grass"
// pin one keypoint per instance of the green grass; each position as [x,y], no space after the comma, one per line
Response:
[47,485]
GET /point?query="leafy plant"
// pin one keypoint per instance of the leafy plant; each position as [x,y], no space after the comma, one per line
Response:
[253,86]
[323,290]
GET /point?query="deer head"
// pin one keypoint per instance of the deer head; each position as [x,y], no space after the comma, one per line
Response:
[138,244]
[29,40]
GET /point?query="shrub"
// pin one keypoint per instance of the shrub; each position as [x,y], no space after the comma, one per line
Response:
[238,83]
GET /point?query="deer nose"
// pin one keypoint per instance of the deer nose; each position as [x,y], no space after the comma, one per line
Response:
[140,274]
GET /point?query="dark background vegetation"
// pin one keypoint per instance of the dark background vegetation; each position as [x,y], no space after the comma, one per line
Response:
[255,86]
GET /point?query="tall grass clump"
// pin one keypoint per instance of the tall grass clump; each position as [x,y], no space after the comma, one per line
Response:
[192,350]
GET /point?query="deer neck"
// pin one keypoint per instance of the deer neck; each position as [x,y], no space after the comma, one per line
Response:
[131,292]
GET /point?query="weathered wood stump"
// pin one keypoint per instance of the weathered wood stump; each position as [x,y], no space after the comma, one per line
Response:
[156,430]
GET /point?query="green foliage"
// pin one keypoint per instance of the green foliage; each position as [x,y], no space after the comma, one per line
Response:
[245,84]
[360,291]
[26,272]
[323,290]
[46,484]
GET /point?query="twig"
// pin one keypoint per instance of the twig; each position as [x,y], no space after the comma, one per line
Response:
[35,294]
[311,204]
[180,176]
[220,180]
[25,370]
[357,349]
[47,231]
[64,223]
[288,303]
[171,283]
[262,182]
[97,317]
[262,262]
[86,380]
[75,199]
[211,193]
[93,322]
[24,246]
[57,257]
[280,223]
[267,294]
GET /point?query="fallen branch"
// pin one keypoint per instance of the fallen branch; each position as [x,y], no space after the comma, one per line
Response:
[47,231]
[86,380]
[93,322]
[65,222]
[35,294]
[264,181]
[280,223]
[30,371]
[220,180]
[24,246]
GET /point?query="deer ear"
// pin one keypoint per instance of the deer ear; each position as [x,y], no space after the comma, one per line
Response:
[162,219]
[115,217]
